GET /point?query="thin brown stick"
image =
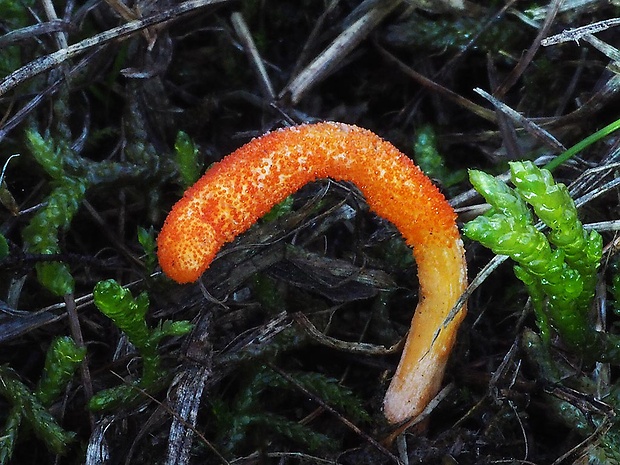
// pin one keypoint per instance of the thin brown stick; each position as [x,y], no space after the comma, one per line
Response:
[443,91]
[579,32]
[527,124]
[76,332]
[47,62]
[527,58]
[332,56]
[243,32]
[353,347]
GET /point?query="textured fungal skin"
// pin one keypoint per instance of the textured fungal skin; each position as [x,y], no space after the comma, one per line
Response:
[236,192]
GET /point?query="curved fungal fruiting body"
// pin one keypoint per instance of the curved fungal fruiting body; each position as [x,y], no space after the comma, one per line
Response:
[236,192]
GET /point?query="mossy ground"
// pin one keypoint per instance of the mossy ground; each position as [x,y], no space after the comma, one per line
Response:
[111,117]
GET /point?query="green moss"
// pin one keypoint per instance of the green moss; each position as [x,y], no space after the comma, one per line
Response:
[27,407]
[62,360]
[146,238]
[128,314]
[559,270]
[41,235]
[187,159]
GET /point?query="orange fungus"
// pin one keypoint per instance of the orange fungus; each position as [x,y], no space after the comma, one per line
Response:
[236,192]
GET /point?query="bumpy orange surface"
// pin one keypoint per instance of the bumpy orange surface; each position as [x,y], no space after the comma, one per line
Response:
[245,185]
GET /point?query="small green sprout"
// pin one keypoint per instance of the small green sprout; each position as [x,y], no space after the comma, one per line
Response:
[146,238]
[279,209]
[48,154]
[128,313]
[429,159]
[62,360]
[187,158]
[581,145]
[558,269]
[41,234]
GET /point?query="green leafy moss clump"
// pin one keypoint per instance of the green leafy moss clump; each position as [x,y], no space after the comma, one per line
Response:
[247,418]
[187,159]
[128,314]
[62,360]
[41,235]
[558,269]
